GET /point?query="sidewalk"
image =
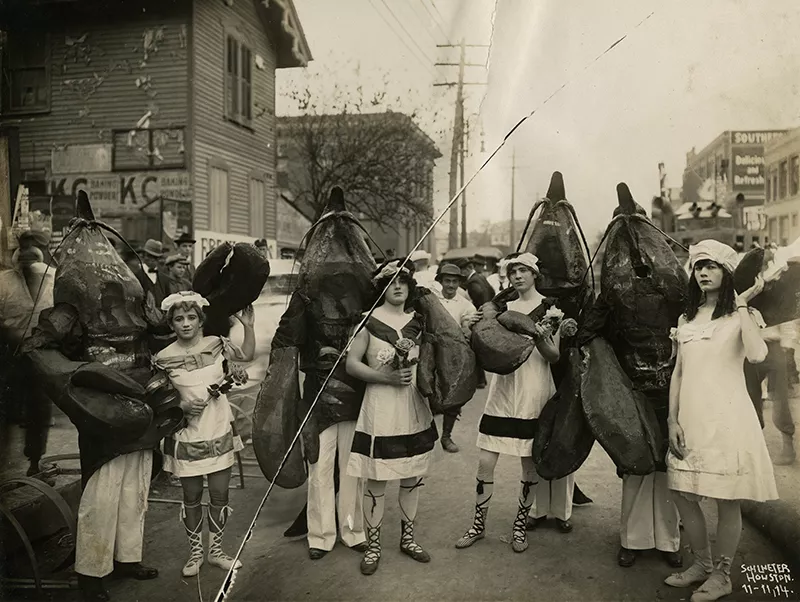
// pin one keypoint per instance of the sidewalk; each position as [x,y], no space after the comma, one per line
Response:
[780,520]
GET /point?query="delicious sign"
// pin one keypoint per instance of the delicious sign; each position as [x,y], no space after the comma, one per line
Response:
[747,155]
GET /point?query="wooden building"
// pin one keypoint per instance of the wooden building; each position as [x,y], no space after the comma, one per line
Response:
[162,110]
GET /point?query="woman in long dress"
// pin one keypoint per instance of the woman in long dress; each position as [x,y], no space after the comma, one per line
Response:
[205,447]
[508,425]
[717,449]
[395,433]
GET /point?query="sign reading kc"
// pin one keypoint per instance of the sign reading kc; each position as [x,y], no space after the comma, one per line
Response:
[124,193]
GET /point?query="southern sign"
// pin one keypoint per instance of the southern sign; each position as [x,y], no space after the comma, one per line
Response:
[208,241]
[747,156]
[125,192]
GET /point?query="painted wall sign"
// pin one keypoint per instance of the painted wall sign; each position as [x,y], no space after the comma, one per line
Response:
[207,241]
[126,192]
[292,225]
[81,159]
[751,138]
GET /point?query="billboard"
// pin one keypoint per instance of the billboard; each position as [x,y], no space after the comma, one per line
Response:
[747,158]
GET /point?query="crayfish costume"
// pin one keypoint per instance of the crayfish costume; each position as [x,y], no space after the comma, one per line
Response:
[626,338]
[91,353]
[334,288]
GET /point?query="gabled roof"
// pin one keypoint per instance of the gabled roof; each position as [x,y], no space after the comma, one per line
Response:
[281,20]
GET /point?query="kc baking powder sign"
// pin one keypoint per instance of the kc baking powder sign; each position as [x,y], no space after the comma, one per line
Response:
[124,192]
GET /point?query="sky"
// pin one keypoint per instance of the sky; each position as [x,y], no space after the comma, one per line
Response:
[684,72]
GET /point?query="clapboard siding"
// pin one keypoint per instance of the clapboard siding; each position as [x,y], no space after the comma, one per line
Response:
[214,137]
[90,99]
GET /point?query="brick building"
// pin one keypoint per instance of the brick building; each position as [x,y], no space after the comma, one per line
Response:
[782,188]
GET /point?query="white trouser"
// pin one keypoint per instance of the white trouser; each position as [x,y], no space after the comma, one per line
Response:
[554,498]
[111,514]
[649,516]
[322,502]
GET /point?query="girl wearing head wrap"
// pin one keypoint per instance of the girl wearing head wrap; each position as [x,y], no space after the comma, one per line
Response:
[395,433]
[717,449]
[198,367]
[509,421]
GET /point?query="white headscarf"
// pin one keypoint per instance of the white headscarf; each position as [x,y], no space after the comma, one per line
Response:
[184,297]
[389,270]
[715,251]
[527,259]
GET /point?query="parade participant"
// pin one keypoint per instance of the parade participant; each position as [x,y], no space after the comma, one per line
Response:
[395,433]
[450,278]
[499,280]
[479,291]
[175,272]
[96,370]
[423,275]
[334,287]
[184,245]
[642,294]
[262,247]
[205,447]
[38,410]
[152,279]
[716,448]
[508,425]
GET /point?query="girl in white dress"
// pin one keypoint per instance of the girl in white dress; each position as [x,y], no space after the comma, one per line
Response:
[395,433]
[508,424]
[717,449]
[206,445]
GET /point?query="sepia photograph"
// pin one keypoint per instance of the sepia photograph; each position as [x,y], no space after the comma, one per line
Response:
[390,300]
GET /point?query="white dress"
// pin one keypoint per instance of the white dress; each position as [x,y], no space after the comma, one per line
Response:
[515,400]
[395,433]
[726,457]
[206,444]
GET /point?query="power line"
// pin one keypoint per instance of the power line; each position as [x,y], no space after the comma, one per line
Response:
[440,15]
[425,63]
[399,22]
[436,21]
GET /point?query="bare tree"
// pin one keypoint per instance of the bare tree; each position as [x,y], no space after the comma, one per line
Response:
[383,160]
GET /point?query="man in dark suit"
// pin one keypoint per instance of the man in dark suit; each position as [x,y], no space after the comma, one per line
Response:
[154,280]
[479,291]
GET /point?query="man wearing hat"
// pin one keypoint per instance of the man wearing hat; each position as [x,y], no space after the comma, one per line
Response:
[479,291]
[176,272]
[262,247]
[153,280]
[422,272]
[450,278]
[184,244]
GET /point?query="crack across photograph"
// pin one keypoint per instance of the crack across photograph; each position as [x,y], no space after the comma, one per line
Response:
[382,300]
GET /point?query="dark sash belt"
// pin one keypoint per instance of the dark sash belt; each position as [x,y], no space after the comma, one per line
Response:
[513,428]
[394,447]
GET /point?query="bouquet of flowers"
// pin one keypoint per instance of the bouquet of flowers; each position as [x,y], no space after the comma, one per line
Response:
[235,376]
[398,357]
[554,319]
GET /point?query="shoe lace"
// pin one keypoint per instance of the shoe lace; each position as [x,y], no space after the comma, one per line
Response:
[407,538]
[373,552]
[520,524]
[479,522]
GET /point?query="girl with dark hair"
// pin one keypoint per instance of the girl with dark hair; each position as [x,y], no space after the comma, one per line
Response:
[395,433]
[197,367]
[716,447]
[509,423]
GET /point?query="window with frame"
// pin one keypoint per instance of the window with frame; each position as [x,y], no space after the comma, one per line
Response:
[783,176]
[257,201]
[794,175]
[26,75]
[217,199]
[238,81]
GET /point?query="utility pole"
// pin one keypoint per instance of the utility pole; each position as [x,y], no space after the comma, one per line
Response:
[513,178]
[457,149]
[463,155]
